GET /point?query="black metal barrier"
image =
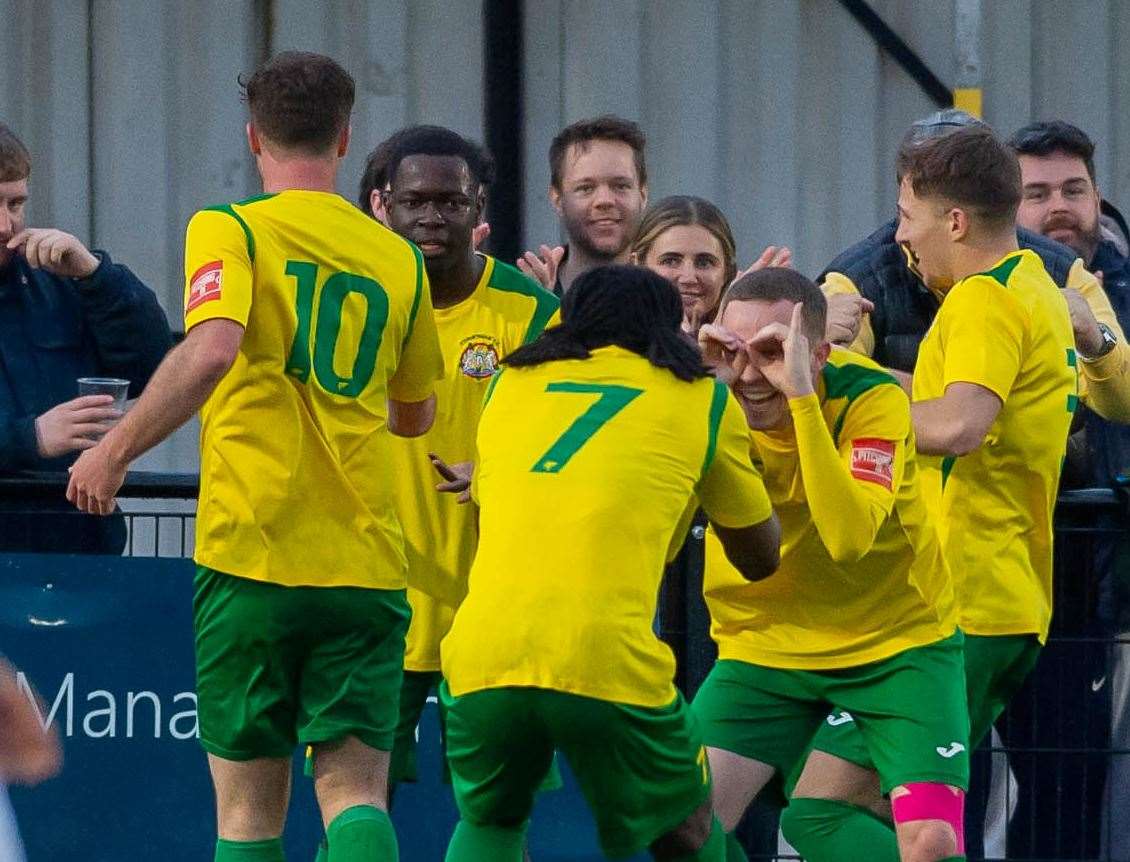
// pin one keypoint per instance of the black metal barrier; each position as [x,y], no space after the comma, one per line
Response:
[1052,784]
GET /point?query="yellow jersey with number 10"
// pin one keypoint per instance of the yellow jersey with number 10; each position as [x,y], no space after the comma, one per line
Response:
[586,469]
[1009,331]
[295,460]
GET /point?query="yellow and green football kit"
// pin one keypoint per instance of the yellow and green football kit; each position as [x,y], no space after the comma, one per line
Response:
[862,604]
[505,310]
[613,451]
[295,465]
[1008,330]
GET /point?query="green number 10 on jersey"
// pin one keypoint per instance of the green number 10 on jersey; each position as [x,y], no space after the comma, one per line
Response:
[319,352]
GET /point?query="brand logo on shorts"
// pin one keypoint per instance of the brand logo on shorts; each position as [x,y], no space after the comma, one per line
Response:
[873,461]
[205,284]
[955,749]
[479,359]
[838,718]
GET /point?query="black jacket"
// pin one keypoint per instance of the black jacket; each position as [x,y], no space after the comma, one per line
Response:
[904,307]
[52,331]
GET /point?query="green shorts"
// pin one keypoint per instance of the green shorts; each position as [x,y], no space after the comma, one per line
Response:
[277,666]
[413,698]
[414,691]
[910,709]
[995,668]
[642,771]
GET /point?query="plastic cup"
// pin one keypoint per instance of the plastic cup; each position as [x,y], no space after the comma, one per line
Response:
[114,386]
[105,386]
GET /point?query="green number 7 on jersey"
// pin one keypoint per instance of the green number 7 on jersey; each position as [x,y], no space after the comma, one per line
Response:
[612,400]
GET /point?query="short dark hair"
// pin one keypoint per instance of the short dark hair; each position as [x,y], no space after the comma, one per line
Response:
[1055,136]
[775,283]
[439,141]
[15,161]
[607,127]
[375,175]
[971,167]
[629,306]
[300,100]
[385,159]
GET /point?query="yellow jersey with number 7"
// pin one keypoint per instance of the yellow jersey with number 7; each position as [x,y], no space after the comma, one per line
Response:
[585,471]
[1007,330]
[295,484]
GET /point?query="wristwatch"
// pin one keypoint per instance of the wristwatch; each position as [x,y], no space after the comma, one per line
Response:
[1110,340]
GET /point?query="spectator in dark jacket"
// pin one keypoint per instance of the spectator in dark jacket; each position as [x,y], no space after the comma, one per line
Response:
[65,312]
[1062,201]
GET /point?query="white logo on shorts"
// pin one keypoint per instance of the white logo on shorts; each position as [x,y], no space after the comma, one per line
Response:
[836,719]
[955,749]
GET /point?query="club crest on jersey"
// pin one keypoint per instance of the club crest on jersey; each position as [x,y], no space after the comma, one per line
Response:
[205,284]
[479,359]
[873,461]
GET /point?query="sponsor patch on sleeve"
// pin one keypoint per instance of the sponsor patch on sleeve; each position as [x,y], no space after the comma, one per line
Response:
[873,461]
[205,284]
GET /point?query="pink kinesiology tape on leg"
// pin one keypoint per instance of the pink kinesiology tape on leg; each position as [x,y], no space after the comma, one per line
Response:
[932,801]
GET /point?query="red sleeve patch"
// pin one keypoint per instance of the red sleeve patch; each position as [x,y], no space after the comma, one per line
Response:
[205,284]
[873,461]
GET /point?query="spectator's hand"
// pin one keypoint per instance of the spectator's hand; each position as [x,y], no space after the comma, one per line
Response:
[456,477]
[479,234]
[542,267]
[772,256]
[781,353]
[845,314]
[28,753]
[96,478]
[1088,336]
[74,424]
[55,251]
[723,352]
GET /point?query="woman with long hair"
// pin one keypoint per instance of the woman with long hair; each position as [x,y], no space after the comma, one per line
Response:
[688,241]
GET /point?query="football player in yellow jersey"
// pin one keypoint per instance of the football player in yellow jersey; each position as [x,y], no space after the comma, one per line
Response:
[861,613]
[437,184]
[994,390]
[310,337]
[609,426]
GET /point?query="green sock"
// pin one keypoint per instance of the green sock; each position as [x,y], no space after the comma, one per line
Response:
[362,833]
[734,850]
[714,850]
[268,850]
[953,859]
[323,852]
[472,843]
[823,830]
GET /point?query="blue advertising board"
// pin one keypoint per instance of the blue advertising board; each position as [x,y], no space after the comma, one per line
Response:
[107,644]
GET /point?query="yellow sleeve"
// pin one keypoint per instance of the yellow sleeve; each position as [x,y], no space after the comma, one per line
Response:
[731,491]
[982,335]
[217,267]
[421,362]
[851,491]
[1104,384]
[837,283]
